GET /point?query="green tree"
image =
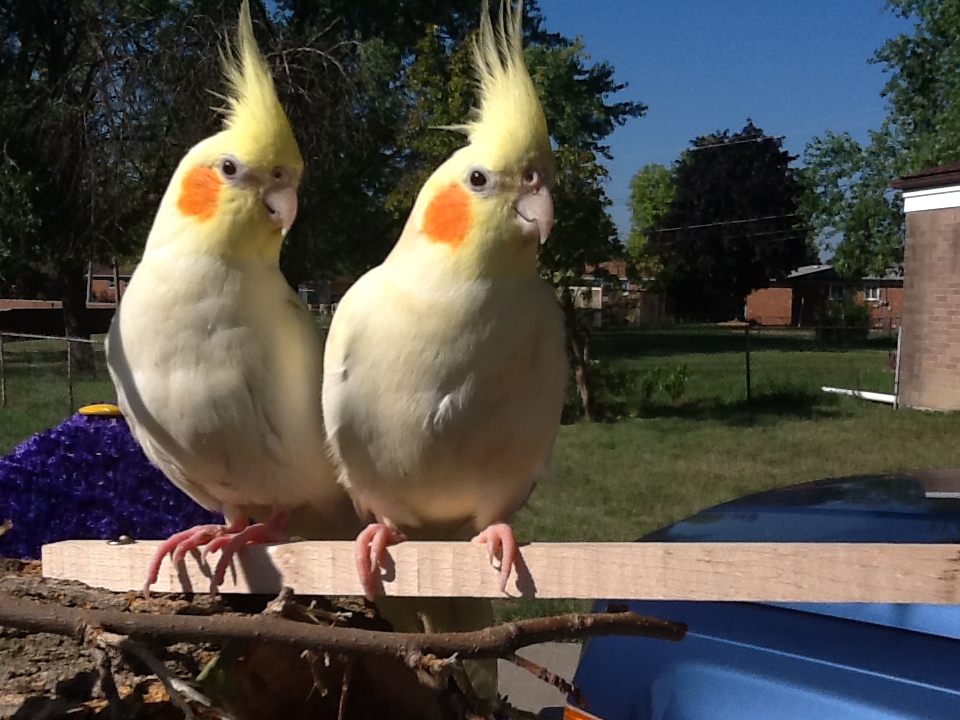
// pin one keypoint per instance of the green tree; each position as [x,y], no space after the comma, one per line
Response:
[850,206]
[849,201]
[103,97]
[74,188]
[733,224]
[651,192]
[354,107]
[923,89]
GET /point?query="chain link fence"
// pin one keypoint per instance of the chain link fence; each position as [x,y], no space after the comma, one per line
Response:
[52,374]
[670,369]
[706,369]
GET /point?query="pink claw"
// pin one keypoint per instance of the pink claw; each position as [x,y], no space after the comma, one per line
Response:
[276,529]
[368,553]
[229,539]
[501,548]
[181,543]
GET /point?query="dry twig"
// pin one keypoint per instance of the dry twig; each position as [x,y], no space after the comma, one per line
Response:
[344,690]
[181,693]
[488,643]
[551,678]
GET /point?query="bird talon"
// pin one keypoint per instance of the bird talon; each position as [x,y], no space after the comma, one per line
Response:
[229,539]
[501,550]
[369,549]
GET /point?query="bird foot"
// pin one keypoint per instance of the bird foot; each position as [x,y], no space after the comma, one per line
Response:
[229,539]
[181,543]
[369,550]
[501,549]
[276,529]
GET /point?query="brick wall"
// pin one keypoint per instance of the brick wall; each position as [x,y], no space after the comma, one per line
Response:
[886,313]
[930,348]
[101,289]
[770,306]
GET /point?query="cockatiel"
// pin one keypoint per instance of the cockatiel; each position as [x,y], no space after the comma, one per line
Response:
[445,367]
[214,358]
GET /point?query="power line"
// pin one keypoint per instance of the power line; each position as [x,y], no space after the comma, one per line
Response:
[736,142]
[723,222]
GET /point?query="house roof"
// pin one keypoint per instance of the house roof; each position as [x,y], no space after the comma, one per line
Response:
[805,270]
[104,270]
[933,177]
[826,273]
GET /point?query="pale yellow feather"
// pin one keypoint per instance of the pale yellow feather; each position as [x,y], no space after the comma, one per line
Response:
[509,122]
[253,116]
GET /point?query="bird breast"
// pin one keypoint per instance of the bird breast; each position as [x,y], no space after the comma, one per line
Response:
[448,400]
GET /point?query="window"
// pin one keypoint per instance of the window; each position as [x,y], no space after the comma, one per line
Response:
[836,291]
[871,292]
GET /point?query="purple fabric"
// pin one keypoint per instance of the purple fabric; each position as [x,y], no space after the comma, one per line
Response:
[87,479]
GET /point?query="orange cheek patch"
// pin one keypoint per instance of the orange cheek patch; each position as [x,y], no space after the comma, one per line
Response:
[448,216]
[199,193]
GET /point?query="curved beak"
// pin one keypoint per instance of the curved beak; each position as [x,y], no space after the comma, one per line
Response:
[535,209]
[280,201]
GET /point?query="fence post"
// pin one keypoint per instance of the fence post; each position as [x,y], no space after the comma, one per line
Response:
[70,373]
[3,377]
[896,370]
[746,345]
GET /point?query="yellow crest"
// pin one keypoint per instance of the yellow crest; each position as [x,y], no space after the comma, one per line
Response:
[510,120]
[253,114]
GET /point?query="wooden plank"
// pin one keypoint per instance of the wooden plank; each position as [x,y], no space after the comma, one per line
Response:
[771,572]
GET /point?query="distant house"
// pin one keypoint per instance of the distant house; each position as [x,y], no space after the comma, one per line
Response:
[800,299]
[102,282]
[45,317]
[930,340]
[616,298]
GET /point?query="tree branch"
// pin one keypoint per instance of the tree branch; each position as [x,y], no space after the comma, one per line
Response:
[492,642]
[544,674]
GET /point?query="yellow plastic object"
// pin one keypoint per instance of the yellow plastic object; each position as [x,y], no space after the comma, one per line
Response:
[100,410]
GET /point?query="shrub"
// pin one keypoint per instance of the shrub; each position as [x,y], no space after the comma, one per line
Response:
[675,383]
[845,322]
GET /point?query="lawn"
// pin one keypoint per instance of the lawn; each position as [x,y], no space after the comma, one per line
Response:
[619,480]
[662,458]
[37,391]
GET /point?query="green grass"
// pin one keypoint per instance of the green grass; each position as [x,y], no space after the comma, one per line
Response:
[37,391]
[618,480]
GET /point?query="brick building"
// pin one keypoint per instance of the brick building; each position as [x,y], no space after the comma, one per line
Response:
[801,298]
[614,298]
[102,282]
[930,341]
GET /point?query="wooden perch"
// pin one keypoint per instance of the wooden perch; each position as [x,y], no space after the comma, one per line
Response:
[491,642]
[757,572]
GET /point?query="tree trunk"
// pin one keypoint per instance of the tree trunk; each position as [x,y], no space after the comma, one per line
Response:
[76,320]
[579,339]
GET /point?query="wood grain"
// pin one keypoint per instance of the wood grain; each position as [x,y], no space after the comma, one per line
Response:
[770,572]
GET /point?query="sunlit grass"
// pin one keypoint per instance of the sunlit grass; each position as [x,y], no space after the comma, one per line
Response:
[37,388]
[619,480]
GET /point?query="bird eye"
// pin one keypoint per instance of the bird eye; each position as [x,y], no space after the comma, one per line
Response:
[478,179]
[531,177]
[228,167]
[278,173]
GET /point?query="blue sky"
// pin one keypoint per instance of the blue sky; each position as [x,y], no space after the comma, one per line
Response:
[797,67]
